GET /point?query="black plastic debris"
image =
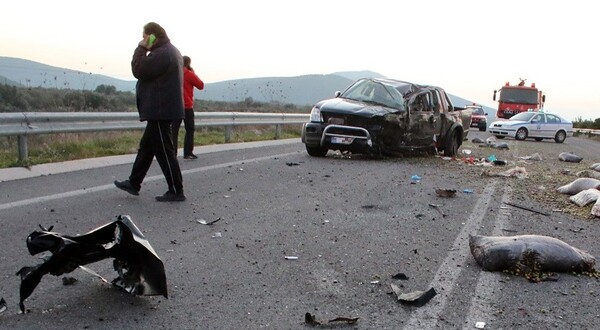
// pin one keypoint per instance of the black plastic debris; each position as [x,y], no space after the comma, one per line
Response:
[527,208]
[400,276]
[141,272]
[448,193]
[311,320]
[415,298]
[292,164]
[2,305]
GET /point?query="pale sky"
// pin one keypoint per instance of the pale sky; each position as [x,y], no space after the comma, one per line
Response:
[470,48]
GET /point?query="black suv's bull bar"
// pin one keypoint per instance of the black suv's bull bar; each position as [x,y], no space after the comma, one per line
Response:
[351,132]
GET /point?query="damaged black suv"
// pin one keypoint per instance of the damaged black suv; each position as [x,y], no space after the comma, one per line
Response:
[386,116]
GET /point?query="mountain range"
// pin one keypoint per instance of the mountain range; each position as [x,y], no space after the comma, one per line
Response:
[299,90]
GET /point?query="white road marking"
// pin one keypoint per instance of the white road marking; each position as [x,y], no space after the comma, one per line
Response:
[488,284]
[426,317]
[90,190]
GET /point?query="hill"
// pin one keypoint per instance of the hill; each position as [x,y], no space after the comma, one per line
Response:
[26,73]
[299,90]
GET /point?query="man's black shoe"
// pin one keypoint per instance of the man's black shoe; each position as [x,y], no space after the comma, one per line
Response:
[190,157]
[126,186]
[170,196]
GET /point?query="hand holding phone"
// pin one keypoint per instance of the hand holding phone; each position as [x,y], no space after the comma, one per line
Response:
[151,40]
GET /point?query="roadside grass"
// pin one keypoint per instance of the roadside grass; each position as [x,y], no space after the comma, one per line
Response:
[54,148]
[543,177]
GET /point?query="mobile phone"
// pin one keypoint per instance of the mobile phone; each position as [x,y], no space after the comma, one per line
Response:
[151,40]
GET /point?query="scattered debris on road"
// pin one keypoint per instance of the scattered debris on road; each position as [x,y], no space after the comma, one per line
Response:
[516,172]
[448,193]
[437,207]
[208,223]
[596,208]
[311,320]
[527,208]
[578,186]
[400,276]
[588,174]
[531,256]
[415,298]
[536,156]
[585,197]
[569,157]
[415,179]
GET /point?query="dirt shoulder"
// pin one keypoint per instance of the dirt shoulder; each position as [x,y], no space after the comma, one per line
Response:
[543,176]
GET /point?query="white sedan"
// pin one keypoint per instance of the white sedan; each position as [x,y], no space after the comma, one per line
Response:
[534,125]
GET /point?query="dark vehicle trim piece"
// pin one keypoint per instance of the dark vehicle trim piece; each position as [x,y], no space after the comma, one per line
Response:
[366,135]
[141,272]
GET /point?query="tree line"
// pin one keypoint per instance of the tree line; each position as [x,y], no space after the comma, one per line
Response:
[588,123]
[106,98]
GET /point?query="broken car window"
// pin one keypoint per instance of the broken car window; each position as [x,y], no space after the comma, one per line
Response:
[367,90]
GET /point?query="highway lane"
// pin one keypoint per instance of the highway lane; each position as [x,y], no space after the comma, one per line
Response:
[352,222]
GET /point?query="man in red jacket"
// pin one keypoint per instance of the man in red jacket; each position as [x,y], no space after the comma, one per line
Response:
[190,80]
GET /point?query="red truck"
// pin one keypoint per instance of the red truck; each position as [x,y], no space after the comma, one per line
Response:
[514,99]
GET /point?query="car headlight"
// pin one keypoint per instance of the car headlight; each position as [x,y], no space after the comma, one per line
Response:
[315,115]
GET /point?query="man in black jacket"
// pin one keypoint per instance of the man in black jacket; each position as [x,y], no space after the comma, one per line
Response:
[158,66]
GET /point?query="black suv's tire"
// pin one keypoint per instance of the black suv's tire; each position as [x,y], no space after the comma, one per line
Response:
[451,147]
[316,151]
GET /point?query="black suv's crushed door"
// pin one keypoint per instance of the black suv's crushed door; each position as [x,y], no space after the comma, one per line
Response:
[424,119]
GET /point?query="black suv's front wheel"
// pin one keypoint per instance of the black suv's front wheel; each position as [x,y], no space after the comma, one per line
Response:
[452,144]
[316,151]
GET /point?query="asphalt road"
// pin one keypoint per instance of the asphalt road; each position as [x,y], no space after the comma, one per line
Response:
[352,223]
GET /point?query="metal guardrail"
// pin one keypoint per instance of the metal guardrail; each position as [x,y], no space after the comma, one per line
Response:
[23,124]
[587,131]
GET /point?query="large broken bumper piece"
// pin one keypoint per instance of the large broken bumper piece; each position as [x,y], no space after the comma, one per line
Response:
[141,272]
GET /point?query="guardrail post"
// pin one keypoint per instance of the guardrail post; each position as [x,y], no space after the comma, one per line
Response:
[227,134]
[277,132]
[22,139]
